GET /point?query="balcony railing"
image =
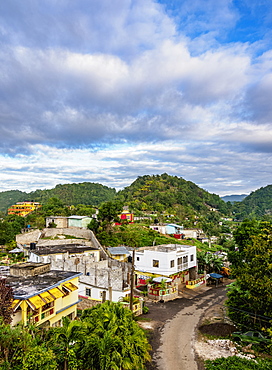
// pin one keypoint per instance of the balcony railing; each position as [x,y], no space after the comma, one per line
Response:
[183,266]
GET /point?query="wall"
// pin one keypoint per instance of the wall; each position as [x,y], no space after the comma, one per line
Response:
[29,237]
[77,232]
[105,273]
[96,293]
[145,262]
[61,222]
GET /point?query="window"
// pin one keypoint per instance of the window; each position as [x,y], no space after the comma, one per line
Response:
[138,258]
[180,261]
[65,291]
[88,292]
[156,263]
[172,263]
[192,257]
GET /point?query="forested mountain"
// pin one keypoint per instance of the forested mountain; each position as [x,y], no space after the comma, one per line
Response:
[70,194]
[158,193]
[165,193]
[255,205]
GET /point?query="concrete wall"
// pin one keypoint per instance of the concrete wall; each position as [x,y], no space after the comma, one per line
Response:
[77,232]
[29,237]
[60,221]
[105,273]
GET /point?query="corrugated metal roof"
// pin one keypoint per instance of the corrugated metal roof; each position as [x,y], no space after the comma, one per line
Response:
[118,250]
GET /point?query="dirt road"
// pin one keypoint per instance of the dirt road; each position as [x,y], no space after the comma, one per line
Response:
[174,325]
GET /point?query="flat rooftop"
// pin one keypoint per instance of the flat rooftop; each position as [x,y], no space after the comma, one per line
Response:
[165,248]
[27,286]
[56,249]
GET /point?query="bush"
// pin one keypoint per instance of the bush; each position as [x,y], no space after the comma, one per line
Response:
[145,309]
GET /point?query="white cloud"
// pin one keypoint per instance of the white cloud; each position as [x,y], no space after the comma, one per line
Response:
[161,82]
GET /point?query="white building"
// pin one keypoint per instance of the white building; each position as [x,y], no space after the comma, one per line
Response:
[165,260]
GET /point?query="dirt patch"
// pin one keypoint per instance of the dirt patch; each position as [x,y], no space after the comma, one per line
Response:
[218,329]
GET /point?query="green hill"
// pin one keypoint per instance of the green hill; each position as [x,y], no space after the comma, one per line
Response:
[255,205]
[170,193]
[7,198]
[70,194]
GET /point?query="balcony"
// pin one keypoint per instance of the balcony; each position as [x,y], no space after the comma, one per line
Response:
[183,266]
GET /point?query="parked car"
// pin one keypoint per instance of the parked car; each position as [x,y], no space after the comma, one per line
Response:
[250,337]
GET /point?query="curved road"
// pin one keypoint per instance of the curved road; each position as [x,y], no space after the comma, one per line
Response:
[178,320]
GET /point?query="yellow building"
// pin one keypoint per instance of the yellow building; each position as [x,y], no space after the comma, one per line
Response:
[42,296]
[23,208]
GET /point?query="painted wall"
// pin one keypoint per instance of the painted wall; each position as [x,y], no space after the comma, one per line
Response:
[146,261]
[62,306]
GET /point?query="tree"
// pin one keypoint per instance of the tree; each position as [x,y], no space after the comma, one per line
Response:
[65,339]
[109,211]
[6,298]
[209,262]
[20,349]
[114,339]
[250,299]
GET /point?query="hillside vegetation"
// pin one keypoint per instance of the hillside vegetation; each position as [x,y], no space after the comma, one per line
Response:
[161,193]
[70,194]
[7,198]
[256,205]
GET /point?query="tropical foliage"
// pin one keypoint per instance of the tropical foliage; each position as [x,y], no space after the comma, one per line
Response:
[250,297]
[115,341]
[164,192]
[69,194]
[256,205]
[237,363]
[105,338]
[209,262]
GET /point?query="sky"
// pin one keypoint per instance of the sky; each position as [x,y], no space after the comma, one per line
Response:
[108,90]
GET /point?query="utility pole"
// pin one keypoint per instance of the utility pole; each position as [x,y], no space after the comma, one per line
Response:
[132,281]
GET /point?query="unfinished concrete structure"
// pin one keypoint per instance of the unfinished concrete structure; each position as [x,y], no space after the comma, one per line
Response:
[103,278]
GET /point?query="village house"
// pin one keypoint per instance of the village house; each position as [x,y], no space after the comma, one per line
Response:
[71,221]
[125,216]
[56,221]
[41,295]
[23,208]
[169,229]
[102,278]
[162,268]
[169,260]
[120,253]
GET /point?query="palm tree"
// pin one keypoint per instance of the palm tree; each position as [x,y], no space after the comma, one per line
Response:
[65,338]
[113,339]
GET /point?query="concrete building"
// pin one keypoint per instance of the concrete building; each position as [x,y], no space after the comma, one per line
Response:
[23,208]
[45,253]
[79,221]
[103,278]
[59,221]
[42,296]
[120,253]
[170,260]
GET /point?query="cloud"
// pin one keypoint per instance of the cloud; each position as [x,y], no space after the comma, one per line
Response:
[215,167]
[141,76]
